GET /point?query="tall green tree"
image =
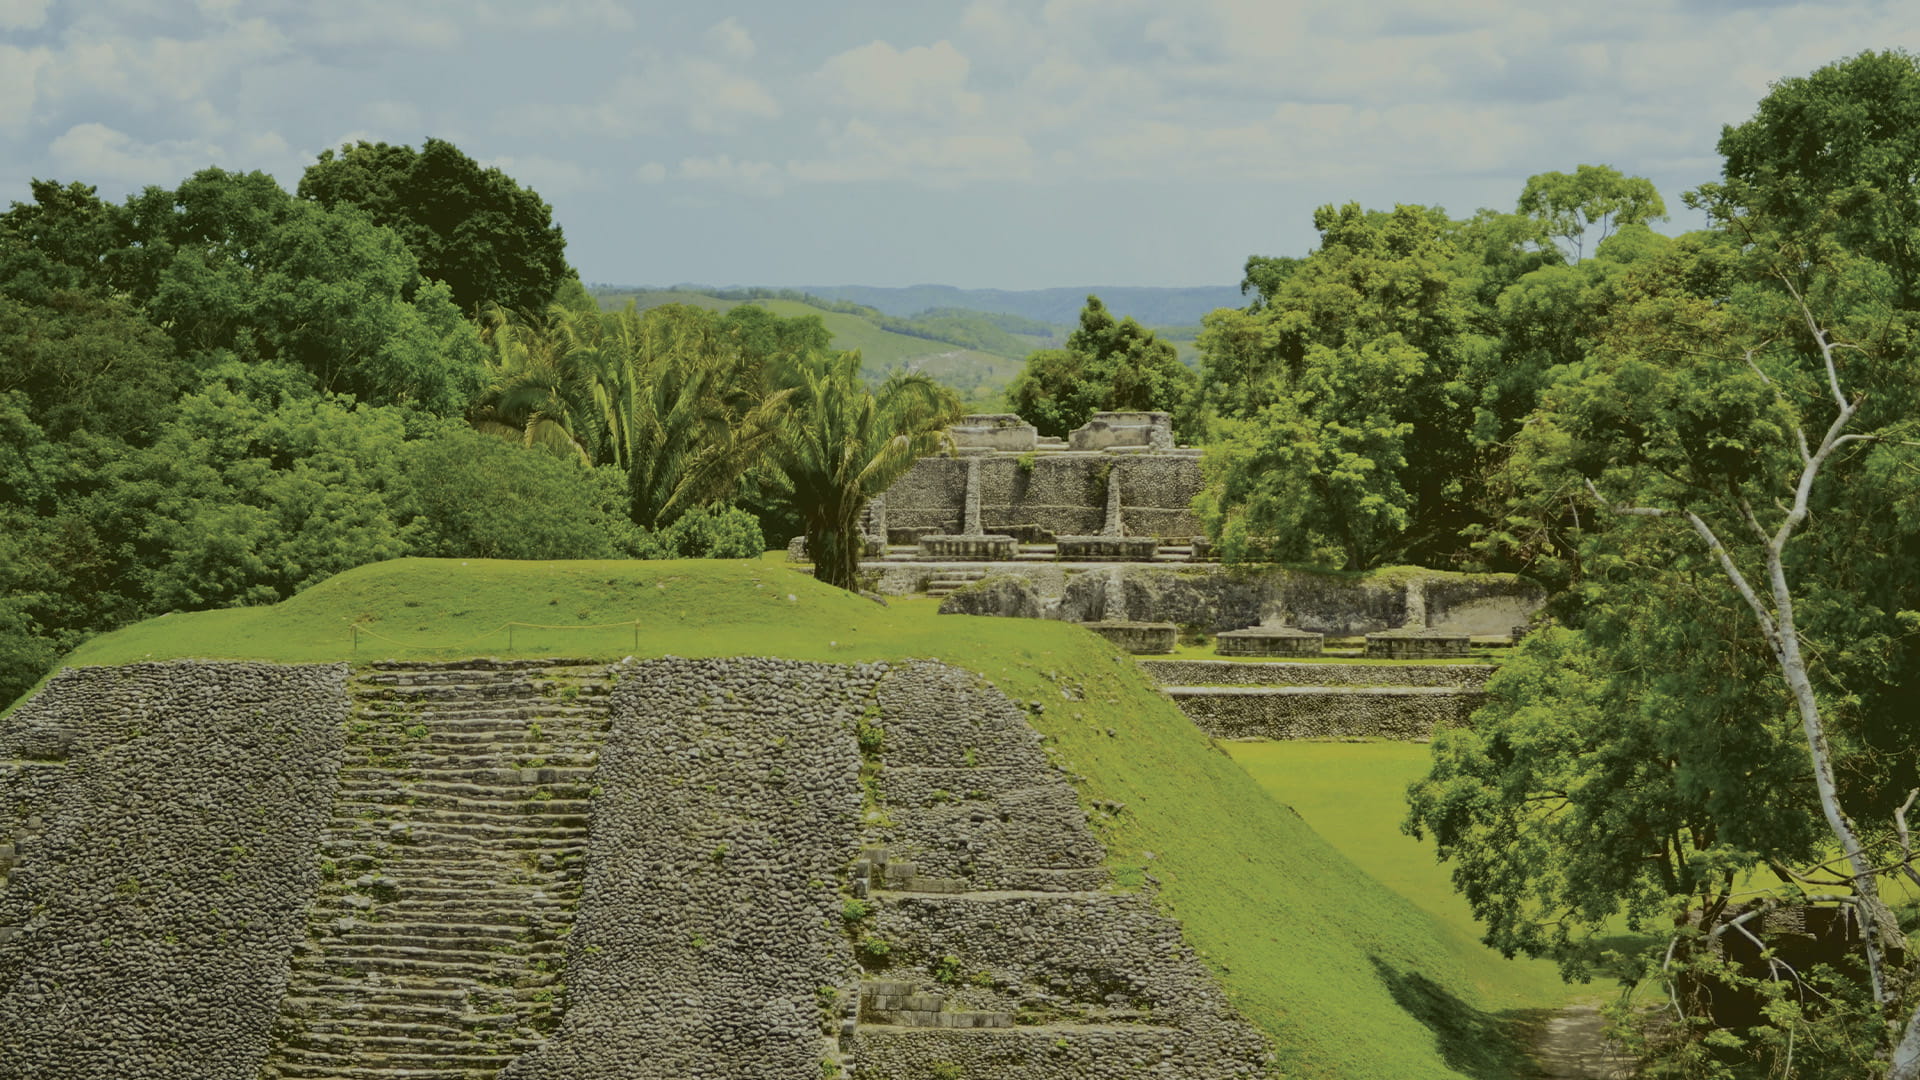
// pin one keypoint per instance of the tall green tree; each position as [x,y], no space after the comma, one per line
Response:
[1598,197]
[1107,365]
[489,239]
[1832,157]
[1343,435]
[840,444]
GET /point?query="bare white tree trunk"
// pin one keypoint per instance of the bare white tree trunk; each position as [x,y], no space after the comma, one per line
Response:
[1775,617]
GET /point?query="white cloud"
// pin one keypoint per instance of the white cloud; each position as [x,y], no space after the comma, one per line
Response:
[546,175]
[163,70]
[22,14]
[862,152]
[588,15]
[382,26]
[718,98]
[19,84]
[730,39]
[651,173]
[751,177]
[706,95]
[98,152]
[924,79]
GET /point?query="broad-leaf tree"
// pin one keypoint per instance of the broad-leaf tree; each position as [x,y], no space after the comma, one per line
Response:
[1108,364]
[491,240]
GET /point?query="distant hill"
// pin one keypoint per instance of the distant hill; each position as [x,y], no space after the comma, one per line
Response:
[976,354]
[1061,307]
[974,340]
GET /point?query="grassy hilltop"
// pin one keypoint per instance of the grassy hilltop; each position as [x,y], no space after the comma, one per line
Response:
[1351,979]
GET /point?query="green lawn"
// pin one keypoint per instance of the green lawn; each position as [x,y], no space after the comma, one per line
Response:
[1351,979]
[1354,795]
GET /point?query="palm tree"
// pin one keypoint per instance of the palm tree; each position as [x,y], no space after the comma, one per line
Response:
[535,394]
[840,445]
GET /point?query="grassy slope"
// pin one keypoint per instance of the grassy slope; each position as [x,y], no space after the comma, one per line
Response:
[1353,794]
[1352,980]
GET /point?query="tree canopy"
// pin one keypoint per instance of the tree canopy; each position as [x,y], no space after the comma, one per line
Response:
[490,240]
[1107,365]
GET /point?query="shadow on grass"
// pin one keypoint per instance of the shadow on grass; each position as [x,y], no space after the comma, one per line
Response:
[1476,1044]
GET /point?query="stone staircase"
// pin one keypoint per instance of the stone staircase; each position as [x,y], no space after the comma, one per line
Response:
[952,581]
[451,870]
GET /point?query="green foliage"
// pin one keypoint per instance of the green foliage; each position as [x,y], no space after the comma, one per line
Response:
[470,496]
[874,951]
[1346,385]
[840,444]
[489,240]
[1592,196]
[1831,158]
[1603,781]
[83,361]
[1106,365]
[853,912]
[712,533]
[947,970]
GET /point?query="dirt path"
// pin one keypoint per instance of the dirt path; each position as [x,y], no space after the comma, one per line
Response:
[1571,1046]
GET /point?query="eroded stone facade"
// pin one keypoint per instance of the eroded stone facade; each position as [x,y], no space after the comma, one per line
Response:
[166,819]
[472,869]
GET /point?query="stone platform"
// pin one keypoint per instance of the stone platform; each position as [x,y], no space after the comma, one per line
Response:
[1268,641]
[1417,645]
[1106,548]
[987,548]
[1138,637]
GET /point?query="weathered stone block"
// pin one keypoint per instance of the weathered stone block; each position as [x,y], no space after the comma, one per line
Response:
[1107,548]
[1417,645]
[1009,595]
[1124,429]
[994,431]
[1320,712]
[969,548]
[1138,638]
[1268,641]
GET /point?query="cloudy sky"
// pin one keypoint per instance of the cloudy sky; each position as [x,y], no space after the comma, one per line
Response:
[1006,143]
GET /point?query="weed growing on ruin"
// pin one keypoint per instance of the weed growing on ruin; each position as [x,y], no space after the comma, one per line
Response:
[719,852]
[869,734]
[874,951]
[947,970]
[945,1070]
[853,911]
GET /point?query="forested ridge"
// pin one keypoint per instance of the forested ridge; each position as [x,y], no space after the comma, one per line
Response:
[220,393]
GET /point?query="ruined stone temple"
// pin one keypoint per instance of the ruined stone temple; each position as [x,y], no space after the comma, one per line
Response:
[557,869]
[1117,488]
[1099,529]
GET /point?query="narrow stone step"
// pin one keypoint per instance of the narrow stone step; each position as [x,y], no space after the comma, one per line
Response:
[457,845]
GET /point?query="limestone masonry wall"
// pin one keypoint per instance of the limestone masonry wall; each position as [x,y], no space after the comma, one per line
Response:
[164,819]
[1063,493]
[1279,673]
[1217,598]
[728,797]
[1290,712]
[1000,919]
[756,869]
